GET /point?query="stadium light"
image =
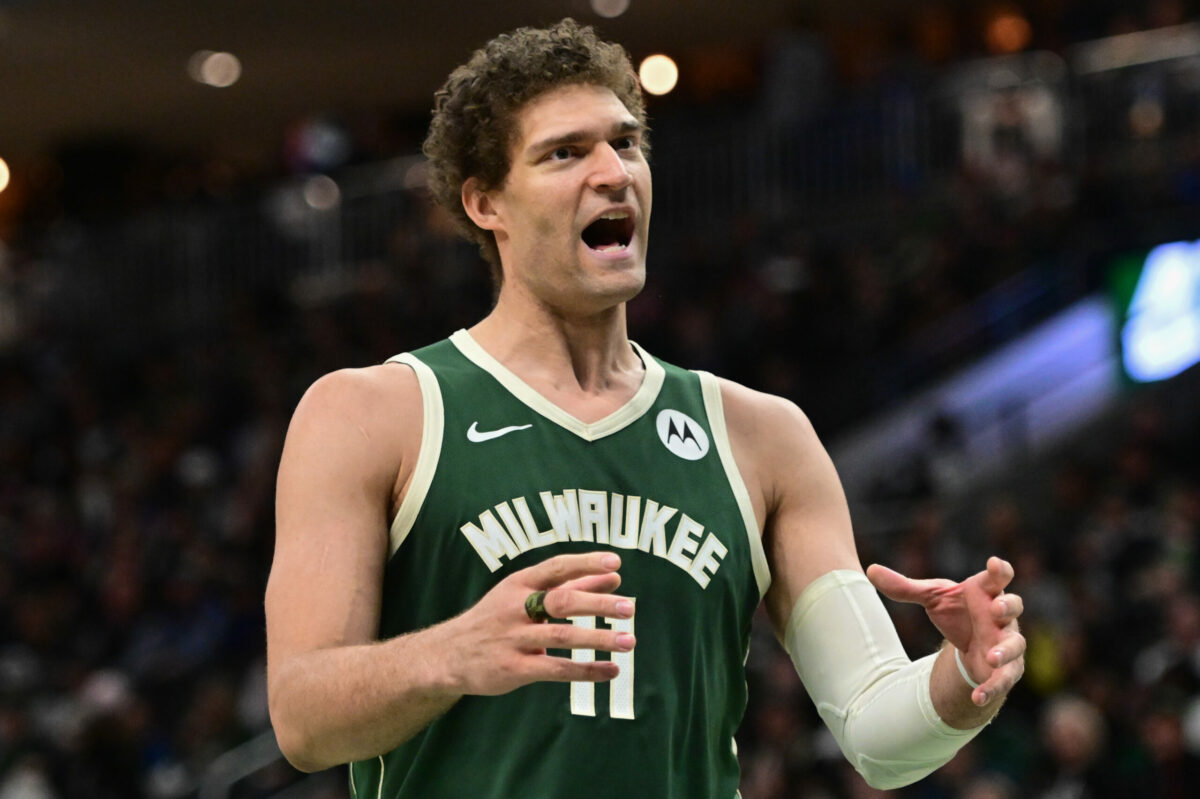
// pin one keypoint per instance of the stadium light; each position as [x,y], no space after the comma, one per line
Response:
[658,74]
[1161,334]
[322,193]
[610,8]
[1008,32]
[216,69]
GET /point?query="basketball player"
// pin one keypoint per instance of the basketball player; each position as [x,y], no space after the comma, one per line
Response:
[523,561]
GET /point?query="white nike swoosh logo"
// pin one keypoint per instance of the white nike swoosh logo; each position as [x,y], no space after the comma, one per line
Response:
[475,435]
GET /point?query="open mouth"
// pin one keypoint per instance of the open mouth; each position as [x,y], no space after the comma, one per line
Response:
[610,232]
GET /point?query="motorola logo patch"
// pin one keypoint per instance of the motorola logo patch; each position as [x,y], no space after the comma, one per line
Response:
[682,435]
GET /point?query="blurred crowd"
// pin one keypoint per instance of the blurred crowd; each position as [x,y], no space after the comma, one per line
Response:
[137,467]
[136,502]
[136,489]
[1104,535]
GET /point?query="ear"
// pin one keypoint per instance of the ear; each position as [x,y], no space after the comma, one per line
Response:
[479,205]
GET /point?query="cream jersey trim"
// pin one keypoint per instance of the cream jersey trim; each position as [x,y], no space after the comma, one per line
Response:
[715,408]
[432,423]
[588,431]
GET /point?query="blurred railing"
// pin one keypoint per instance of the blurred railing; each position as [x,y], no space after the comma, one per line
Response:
[237,764]
[257,768]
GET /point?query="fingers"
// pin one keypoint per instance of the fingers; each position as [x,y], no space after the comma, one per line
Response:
[896,586]
[555,571]
[563,603]
[993,580]
[1008,650]
[1005,656]
[997,576]
[1007,607]
[501,647]
[599,583]
[888,582]
[556,669]
[576,636]
[1008,662]
[579,587]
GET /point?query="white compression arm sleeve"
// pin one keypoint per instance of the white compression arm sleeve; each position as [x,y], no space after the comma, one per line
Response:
[874,700]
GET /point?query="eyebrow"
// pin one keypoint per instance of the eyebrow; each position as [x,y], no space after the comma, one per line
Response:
[622,128]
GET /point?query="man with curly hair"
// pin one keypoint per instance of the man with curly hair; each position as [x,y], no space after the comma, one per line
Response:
[523,561]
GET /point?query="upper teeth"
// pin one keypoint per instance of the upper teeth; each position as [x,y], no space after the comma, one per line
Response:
[615,215]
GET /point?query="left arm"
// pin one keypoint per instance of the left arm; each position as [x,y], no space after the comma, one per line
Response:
[895,719]
[978,618]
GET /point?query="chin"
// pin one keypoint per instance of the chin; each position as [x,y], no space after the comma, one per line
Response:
[625,286]
[600,293]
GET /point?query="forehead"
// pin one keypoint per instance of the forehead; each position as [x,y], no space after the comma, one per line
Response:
[570,110]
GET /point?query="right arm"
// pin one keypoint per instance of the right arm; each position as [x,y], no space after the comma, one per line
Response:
[336,693]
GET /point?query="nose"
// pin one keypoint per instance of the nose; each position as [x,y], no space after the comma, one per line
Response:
[610,172]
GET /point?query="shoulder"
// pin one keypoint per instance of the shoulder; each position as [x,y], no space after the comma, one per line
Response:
[366,419]
[773,440]
[389,387]
[764,420]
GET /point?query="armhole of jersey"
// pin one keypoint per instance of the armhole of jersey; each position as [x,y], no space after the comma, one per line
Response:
[715,409]
[432,423]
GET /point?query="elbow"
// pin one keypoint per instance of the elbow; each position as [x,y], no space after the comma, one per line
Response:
[878,767]
[300,757]
[892,755]
[296,747]
[889,777]
[294,737]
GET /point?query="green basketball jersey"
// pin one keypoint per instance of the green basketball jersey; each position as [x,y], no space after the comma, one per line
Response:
[505,480]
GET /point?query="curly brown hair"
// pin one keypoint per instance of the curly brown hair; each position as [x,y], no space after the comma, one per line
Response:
[475,111]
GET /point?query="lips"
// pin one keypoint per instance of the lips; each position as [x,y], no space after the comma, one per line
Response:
[613,230]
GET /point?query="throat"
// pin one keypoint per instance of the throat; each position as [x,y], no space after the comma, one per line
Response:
[592,398]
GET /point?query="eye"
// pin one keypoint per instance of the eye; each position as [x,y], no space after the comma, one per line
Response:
[624,143]
[560,154]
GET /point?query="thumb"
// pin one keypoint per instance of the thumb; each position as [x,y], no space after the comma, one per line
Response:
[894,585]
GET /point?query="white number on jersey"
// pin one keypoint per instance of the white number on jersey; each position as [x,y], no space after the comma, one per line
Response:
[620,689]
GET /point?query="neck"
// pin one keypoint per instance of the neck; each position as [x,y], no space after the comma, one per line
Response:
[558,352]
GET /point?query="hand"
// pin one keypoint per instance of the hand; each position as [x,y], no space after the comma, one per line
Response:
[495,647]
[976,616]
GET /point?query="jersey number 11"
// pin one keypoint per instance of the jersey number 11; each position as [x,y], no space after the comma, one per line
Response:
[620,690]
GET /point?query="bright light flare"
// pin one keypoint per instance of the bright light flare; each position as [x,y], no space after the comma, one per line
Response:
[658,74]
[322,193]
[1161,336]
[217,69]
[1008,32]
[610,8]
[5,174]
